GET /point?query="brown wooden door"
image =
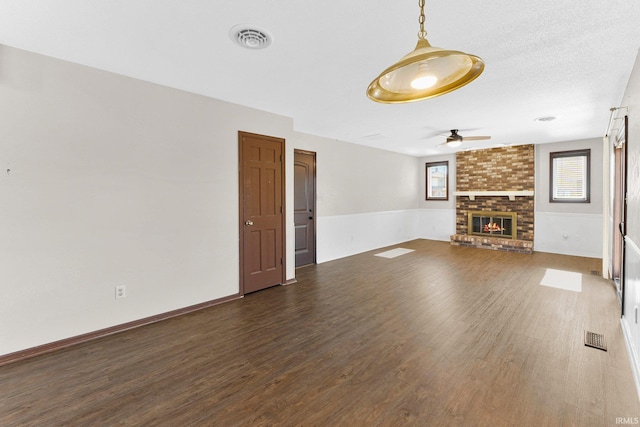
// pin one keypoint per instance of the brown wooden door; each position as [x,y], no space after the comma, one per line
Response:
[304,212]
[261,211]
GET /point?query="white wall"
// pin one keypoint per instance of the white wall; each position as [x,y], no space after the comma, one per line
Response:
[632,101]
[569,228]
[366,198]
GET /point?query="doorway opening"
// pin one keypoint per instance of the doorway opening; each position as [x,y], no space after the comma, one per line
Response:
[619,211]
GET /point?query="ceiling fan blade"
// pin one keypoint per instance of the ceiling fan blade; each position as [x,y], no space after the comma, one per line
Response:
[437,133]
[475,138]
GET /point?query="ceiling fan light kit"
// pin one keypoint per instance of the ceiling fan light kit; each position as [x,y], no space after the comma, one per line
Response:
[454,140]
[424,73]
[455,143]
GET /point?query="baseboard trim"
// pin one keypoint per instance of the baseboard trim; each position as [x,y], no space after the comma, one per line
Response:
[79,339]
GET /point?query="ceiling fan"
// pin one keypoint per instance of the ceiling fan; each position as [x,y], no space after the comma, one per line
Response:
[455,139]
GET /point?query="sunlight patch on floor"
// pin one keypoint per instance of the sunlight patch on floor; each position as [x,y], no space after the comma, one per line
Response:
[393,253]
[561,279]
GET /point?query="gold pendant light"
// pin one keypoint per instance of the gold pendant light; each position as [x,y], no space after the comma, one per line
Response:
[425,73]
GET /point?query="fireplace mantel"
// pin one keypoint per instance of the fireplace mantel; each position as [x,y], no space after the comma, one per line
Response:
[510,194]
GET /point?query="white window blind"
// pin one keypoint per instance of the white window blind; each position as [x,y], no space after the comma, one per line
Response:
[570,176]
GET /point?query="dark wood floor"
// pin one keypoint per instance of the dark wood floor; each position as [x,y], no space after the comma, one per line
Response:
[441,336]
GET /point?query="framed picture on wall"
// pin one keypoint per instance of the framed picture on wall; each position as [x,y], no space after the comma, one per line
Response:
[438,181]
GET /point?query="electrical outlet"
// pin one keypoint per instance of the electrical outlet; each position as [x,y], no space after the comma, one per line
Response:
[121,291]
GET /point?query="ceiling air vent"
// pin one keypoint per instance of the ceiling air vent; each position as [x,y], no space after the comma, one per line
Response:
[250,37]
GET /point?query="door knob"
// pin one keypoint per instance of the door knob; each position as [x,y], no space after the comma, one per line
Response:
[248,222]
[310,217]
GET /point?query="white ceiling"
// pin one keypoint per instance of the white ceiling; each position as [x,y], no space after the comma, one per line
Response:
[570,59]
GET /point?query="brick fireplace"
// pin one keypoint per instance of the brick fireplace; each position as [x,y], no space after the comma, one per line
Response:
[498,182]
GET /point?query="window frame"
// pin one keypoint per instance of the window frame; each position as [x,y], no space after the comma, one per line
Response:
[587,174]
[428,186]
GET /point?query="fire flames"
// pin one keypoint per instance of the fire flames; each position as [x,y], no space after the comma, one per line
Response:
[491,227]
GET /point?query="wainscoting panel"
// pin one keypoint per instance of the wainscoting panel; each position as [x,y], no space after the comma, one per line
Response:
[568,234]
[436,224]
[630,320]
[344,235]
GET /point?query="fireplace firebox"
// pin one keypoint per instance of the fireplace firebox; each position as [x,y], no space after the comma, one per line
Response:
[497,224]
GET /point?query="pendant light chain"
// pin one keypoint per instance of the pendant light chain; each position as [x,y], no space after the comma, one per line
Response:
[422,34]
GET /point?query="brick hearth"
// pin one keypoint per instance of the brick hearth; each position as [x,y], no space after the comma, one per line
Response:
[495,243]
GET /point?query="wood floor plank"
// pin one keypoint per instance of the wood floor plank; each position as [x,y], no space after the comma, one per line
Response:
[444,335]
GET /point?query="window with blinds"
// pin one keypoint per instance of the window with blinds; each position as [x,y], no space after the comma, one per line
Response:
[570,176]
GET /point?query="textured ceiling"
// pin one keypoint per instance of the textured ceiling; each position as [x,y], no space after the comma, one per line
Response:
[564,58]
